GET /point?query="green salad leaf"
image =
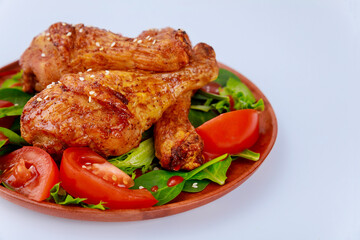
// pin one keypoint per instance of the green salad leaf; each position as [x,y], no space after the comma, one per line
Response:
[160,178]
[13,137]
[60,196]
[15,79]
[194,186]
[140,157]
[16,96]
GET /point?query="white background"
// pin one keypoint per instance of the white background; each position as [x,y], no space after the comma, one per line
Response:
[304,55]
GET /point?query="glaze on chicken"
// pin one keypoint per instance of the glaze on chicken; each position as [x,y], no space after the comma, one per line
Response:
[109,110]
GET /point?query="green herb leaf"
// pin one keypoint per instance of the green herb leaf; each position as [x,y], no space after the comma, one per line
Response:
[2,143]
[224,76]
[99,206]
[13,137]
[15,96]
[13,80]
[11,111]
[197,118]
[160,178]
[194,186]
[248,154]
[215,172]
[140,157]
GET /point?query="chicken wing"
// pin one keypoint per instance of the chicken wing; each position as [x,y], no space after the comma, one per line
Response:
[177,145]
[109,110]
[64,48]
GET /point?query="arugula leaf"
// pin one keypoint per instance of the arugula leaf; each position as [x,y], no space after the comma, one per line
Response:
[140,157]
[15,96]
[13,137]
[194,186]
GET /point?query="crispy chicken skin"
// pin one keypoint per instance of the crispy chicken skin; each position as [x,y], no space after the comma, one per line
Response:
[65,48]
[177,144]
[109,110]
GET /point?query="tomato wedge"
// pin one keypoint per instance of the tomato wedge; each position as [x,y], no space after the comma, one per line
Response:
[30,171]
[230,132]
[85,174]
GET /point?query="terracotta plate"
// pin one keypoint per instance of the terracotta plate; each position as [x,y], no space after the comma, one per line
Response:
[238,172]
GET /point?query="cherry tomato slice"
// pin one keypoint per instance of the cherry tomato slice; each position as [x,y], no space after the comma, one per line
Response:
[230,132]
[30,171]
[85,174]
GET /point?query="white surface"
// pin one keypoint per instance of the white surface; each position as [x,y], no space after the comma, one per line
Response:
[304,55]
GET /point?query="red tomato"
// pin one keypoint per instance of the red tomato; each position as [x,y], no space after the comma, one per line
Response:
[86,174]
[30,171]
[230,132]
[6,122]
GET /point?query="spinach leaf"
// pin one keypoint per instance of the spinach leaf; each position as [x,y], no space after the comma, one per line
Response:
[248,154]
[140,157]
[13,137]
[8,149]
[15,96]
[11,111]
[215,172]
[194,186]
[224,75]
[197,118]
[160,178]
[13,80]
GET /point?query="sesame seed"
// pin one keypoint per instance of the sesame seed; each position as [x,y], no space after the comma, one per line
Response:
[79,72]
[39,99]
[81,30]
[91,92]
[92,76]
[147,37]
[135,40]
[150,38]
[101,49]
[141,187]
[97,44]
[47,34]
[16,104]
[89,70]
[195,185]
[89,98]
[81,79]
[83,166]
[46,97]
[113,44]
[48,39]
[107,72]
[59,82]
[154,42]
[140,41]
[43,54]
[68,34]
[156,168]
[64,24]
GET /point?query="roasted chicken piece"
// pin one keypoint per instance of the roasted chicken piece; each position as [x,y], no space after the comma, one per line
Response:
[177,144]
[64,48]
[109,110]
